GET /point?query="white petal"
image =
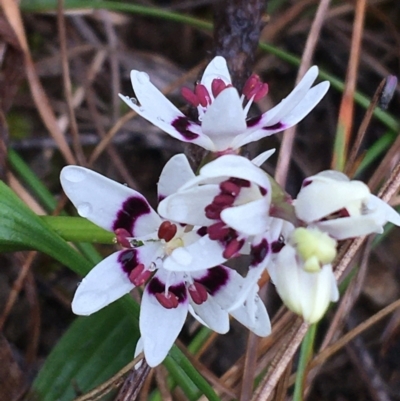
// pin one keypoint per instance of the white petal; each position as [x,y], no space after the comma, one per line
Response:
[138,350]
[253,315]
[297,95]
[307,294]
[104,284]
[107,203]
[159,326]
[227,284]
[236,166]
[175,173]
[263,157]
[216,68]
[188,206]
[250,219]
[387,213]
[224,119]
[288,117]
[310,100]
[200,255]
[319,290]
[211,313]
[350,227]
[157,109]
[324,196]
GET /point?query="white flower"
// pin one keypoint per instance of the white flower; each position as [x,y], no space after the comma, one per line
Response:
[342,208]
[150,242]
[307,293]
[230,198]
[222,123]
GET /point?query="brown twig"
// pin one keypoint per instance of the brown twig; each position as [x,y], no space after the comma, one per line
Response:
[12,12]
[62,35]
[285,151]
[363,129]
[237,28]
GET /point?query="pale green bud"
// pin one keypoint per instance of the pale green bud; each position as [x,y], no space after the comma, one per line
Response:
[315,247]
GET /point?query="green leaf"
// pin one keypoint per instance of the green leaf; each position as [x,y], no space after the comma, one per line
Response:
[78,229]
[21,228]
[93,349]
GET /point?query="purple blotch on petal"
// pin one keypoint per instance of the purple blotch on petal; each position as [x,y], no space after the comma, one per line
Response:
[131,210]
[259,252]
[276,246]
[251,122]
[278,125]
[155,286]
[181,124]
[128,260]
[215,278]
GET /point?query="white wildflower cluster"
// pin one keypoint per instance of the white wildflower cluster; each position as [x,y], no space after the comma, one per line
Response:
[231,208]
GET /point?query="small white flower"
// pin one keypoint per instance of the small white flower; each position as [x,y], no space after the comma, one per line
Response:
[222,124]
[342,208]
[307,293]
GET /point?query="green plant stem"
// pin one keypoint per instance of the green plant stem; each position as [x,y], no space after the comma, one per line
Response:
[306,351]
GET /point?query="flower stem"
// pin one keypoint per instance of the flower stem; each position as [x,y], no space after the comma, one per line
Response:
[306,350]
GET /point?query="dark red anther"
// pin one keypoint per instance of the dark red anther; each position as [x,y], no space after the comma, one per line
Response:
[202,94]
[122,236]
[263,191]
[217,86]
[306,183]
[189,96]
[240,182]
[198,293]
[229,187]
[224,200]
[218,231]
[213,211]
[262,90]
[254,88]
[168,301]
[139,275]
[233,248]
[167,231]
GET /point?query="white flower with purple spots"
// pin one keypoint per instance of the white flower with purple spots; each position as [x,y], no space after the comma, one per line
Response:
[151,242]
[230,199]
[222,124]
[342,208]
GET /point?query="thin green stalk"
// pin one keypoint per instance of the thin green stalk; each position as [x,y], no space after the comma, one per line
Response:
[78,229]
[306,351]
